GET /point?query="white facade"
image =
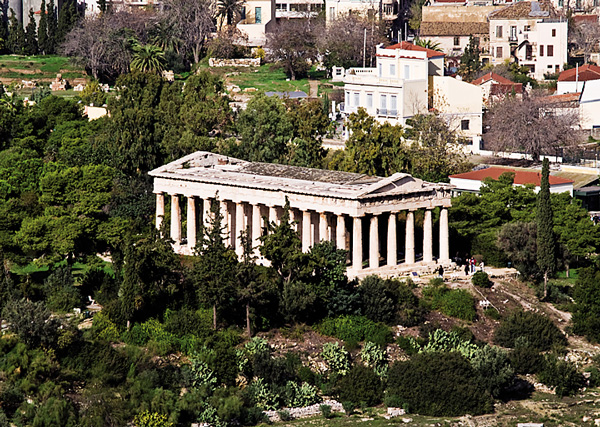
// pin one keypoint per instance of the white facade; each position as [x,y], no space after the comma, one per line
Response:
[537,37]
[474,186]
[291,9]
[338,8]
[460,104]
[258,18]
[589,105]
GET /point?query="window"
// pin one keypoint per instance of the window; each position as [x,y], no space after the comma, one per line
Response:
[541,50]
[383,104]
[380,69]
[595,3]
[549,67]
[549,50]
[556,68]
[393,106]
[356,99]
[347,100]
[528,52]
[554,32]
[561,3]
[513,33]
[499,31]
[243,12]
[407,72]
[369,100]
[258,15]
[527,28]
[332,13]
[456,41]
[393,70]
[499,52]
[464,124]
[577,4]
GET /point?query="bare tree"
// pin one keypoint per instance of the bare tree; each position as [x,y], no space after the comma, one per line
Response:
[533,125]
[103,44]
[293,43]
[585,37]
[193,22]
[343,43]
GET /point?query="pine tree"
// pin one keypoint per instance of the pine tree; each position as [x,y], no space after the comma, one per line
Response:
[67,18]
[546,246]
[43,30]
[470,62]
[52,28]
[31,44]
[16,35]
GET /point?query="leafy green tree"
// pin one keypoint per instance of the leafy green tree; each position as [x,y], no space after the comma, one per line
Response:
[373,148]
[16,38]
[31,44]
[493,367]
[428,44]
[309,122]
[215,266]
[470,63]
[546,246]
[147,58]
[435,150]
[42,32]
[519,241]
[265,130]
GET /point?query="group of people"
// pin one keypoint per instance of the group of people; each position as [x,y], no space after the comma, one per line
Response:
[471,266]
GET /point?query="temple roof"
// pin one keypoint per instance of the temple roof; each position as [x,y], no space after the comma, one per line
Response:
[213,168]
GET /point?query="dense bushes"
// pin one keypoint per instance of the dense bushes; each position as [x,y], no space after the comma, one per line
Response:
[355,329]
[560,375]
[586,317]
[361,386]
[481,279]
[389,301]
[536,328]
[438,384]
[452,302]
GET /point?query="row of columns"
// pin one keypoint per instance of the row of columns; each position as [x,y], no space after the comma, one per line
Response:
[252,218]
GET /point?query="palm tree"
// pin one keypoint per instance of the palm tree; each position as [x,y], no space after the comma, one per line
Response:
[429,44]
[228,9]
[147,58]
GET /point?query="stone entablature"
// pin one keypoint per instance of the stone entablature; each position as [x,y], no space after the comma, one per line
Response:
[326,205]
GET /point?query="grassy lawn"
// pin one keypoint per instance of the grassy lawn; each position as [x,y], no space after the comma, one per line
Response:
[78,268]
[38,67]
[267,77]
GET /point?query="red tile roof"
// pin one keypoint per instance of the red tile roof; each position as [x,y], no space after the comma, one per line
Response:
[492,76]
[410,46]
[585,18]
[584,73]
[564,98]
[522,177]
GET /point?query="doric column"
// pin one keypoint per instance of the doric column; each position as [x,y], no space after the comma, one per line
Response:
[357,243]
[444,236]
[256,227]
[297,219]
[392,257]
[191,222]
[160,209]
[340,232]
[239,227]
[273,215]
[175,219]
[428,237]
[374,242]
[223,206]
[306,231]
[409,248]
[323,235]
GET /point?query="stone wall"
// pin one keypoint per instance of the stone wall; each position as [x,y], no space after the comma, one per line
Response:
[307,411]
[241,62]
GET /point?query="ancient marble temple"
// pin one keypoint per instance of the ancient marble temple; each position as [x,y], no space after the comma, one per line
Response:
[373,218]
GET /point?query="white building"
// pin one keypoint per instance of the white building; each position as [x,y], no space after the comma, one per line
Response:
[258,18]
[573,80]
[371,8]
[532,33]
[409,80]
[373,218]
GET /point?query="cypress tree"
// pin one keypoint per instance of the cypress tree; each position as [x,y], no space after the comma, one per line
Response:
[68,16]
[16,35]
[3,26]
[546,246]
[31,44]
[52,28]
[43,29]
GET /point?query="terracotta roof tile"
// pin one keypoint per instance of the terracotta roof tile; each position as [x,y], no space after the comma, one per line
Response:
[522,177]
[526,10]
[492,76]
[584,73]
[453,28]
[410,46]
[559,99]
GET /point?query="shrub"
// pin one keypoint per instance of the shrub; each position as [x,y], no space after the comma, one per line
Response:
[336,357]
[455,303]
[151,419]
[285,415]
[299,396]
[32,322]
[525,359]
[493,367]
[375,358]
[492,313]
[537,329]
[348,407]
[438,384]
[560,375]
[442,341]
[263,396]
[257,345]
[361,384]
[481,279]
[326,411]
[355,328]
